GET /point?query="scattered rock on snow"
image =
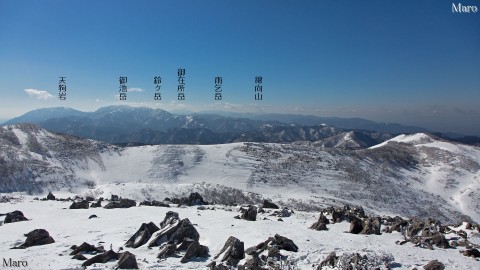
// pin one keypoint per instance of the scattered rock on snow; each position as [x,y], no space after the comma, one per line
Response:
[321,224]
[80,205]
[37,237]
[50,196]
[127,260]
[84,248]
[79,257]
[233,251]
[154,203]
[14,216]
[167,250]
[142,235]
[250,213]
[101,258]
[96,204]
[174,231]
[269,204]
[195,250]
[471,253]
[123,203]
[434,265]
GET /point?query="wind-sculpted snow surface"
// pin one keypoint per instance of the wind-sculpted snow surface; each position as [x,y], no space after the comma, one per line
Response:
[416,175]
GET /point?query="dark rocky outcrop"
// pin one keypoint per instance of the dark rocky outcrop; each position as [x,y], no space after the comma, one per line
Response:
[123,203]
[50,196]
[321,224]
[96,204]
[371,226]
[367,226]
[356,226]
[434,265]
[79,257]
[154,203]
[250,213]
[142,235]
[127,260]
[233,251]
[101,258]
[285,243]
[269,204]
[475,253]
[80,205]
[170,218]
[174,231]
[195,250]
[84,248]
[272,245]
[14,216]
[37,237]
[194,199]
[285,212]
[92,216]
[167,250]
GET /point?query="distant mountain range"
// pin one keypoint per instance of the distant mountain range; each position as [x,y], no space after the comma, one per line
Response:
[138,125]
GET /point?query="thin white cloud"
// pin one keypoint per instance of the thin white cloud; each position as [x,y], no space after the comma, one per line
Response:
[135,89]
[38,94]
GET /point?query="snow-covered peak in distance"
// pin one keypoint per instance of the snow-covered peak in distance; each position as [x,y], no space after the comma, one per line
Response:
[413,139]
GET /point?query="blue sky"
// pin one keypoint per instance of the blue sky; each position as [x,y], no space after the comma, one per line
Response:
[412,62]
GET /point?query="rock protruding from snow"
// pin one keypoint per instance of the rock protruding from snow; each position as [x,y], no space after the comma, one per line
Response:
[269,204]
[434,265]
[174,231]
[127,260]
[321,224]
[424,234]
[250,213]
[284,243]
[37,237]
[80,205]
[278,241]
[79,257]
[14,216]
[167,250]
[142,235]
[154,203]
[50,196]
[195,250]
[475,253]
[123,203]
[285,212]
[85,248]
[101,258]
[96,204]
[193,199]
[232,251]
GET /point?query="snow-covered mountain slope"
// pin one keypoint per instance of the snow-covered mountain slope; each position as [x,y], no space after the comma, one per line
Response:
[407,176]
